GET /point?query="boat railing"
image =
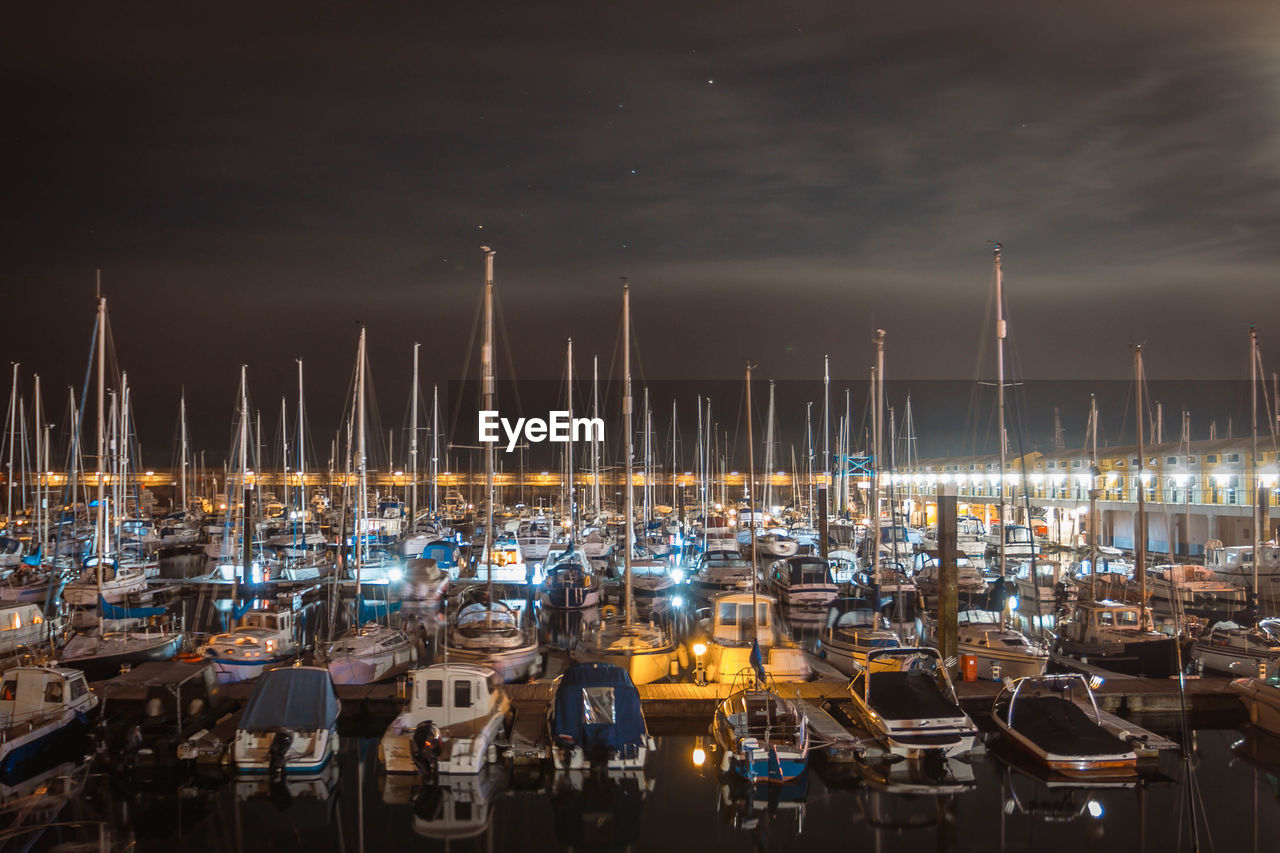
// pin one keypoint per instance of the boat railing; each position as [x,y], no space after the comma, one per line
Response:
[15,725]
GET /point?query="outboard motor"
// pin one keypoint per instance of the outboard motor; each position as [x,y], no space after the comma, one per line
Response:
[278,752]
[424,748]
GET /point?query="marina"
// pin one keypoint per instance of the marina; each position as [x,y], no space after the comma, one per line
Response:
[659,427]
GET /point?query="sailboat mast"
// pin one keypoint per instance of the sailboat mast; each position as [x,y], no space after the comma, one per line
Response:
[182,420]
[751,508]
[768,454]
[1258,538]
[246,535]
[361,466]
[435,449]
[826,426]
[629,511]
[413,442]
[595,443]
[1140,534]
[1001,331]
[102,450]
[487,403]
[40,467]
[877,426]
[644,468]
[302,453]
[13,414]
[568,451]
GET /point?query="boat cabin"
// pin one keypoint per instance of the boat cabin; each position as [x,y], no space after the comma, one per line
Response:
[20,624]
[30,694]
[731,619]
[280,621]
[454,692]
[801,571]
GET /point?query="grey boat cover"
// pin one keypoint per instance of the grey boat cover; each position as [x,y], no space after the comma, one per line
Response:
[298,698]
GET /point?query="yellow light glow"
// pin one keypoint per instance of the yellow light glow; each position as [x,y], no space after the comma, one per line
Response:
[699,756]
[699,649]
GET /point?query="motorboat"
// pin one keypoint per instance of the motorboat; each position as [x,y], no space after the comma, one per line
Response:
[651,575]
[1044,587]
[927,569]
[570,584]
[971,536]
[181,700]
[1236,563]
[289,726]
[717,571]
[1001,651]
[853,628]
[1185,590]
[1261,698]
[727,638]
[803,582]
[22,625]
[845,565]
[1055,719]
[44,714]
[504,564]
[265,638]
[455,713]
[1118,637]
[369,653]
[488,632]
[912,709]
[595,720]
[1236,650]
[118,583]
[1019,542]
[761,735]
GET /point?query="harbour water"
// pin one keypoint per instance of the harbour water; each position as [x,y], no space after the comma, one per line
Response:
[676,805]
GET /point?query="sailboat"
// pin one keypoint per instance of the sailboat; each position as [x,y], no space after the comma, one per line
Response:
[1121,636]
[762,735]
[644,650]
[101,653]
[570,582]
[743,626]
[369,651]
[486,631]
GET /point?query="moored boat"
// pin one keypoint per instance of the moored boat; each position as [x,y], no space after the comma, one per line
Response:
[289,725]
[455,713]
[595,720]
[1055,718]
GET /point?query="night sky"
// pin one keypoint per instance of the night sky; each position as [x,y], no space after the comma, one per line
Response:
[776,180]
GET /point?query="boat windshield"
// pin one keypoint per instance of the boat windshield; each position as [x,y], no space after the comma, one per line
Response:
[1126,619]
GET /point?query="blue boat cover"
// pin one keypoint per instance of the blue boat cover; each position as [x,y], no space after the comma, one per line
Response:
[598,706]
[300,698]
[370,610]
[112,611]
[442,553]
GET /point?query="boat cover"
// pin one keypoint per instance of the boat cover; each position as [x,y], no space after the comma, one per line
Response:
[598,706]
[1062,727]
[910,695]
[299,698]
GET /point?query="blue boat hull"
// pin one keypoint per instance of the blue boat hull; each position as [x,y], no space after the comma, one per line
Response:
[68,743]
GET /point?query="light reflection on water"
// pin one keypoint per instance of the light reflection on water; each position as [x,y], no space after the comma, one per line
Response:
[676,806]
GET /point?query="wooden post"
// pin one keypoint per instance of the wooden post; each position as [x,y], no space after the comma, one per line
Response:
[948,581]
[823,547]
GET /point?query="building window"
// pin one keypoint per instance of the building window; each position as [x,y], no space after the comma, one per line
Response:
[1234,457]
[1212,458]
[1171,460]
